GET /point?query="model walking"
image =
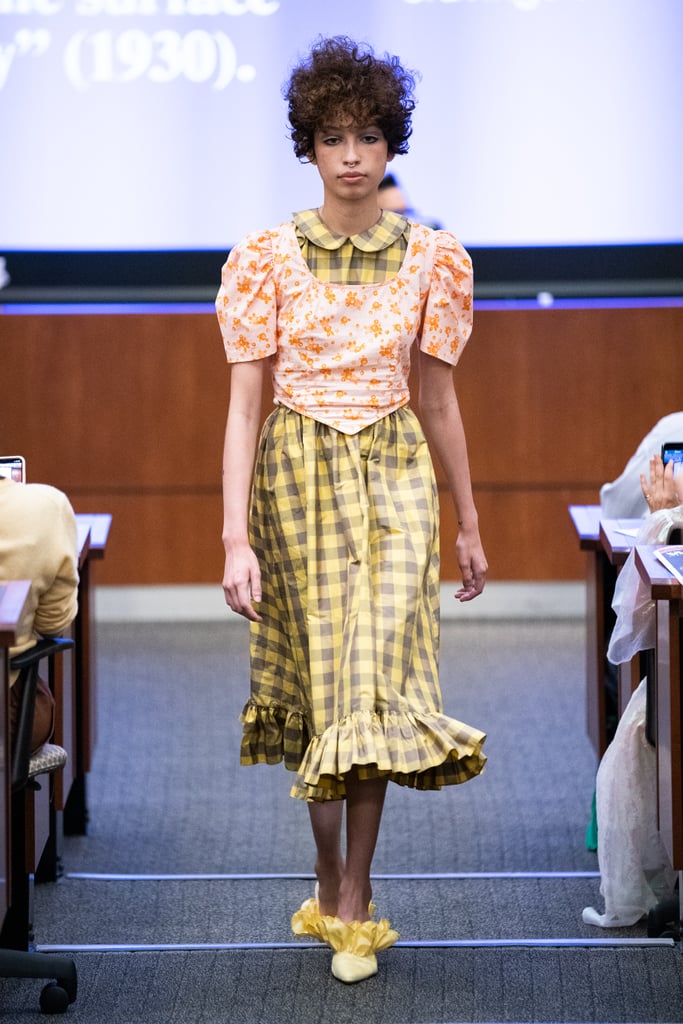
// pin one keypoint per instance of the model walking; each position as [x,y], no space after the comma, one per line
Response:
[333,552]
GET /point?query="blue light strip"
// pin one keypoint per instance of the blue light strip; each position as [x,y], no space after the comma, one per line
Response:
[166,947]
[93,876]
[103,308]
[168,308]
[545,302]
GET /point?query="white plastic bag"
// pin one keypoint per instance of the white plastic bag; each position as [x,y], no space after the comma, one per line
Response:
[634,629]
[634,868]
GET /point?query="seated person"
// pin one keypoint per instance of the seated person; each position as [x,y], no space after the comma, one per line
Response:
[623,498]
[392,197]
[635,872]
[38,542]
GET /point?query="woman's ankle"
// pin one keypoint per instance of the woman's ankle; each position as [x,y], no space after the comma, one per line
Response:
[329,877]
[354,900]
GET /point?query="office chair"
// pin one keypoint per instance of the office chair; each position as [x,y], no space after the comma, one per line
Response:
[16,961]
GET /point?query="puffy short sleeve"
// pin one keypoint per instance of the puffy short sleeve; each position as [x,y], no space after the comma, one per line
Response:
[245,304]
[447,317]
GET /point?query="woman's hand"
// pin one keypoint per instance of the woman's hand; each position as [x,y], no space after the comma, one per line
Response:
[473,565]
[662,491]
[242,581]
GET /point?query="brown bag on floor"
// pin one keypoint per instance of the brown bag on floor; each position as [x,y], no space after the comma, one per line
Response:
[43,715]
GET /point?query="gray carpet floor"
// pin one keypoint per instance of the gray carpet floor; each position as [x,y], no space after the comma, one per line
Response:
[482,881]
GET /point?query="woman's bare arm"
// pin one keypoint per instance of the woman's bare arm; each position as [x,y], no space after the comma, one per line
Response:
[440,414]
[242,576]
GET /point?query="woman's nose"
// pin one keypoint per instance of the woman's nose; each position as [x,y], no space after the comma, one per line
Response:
[351,154]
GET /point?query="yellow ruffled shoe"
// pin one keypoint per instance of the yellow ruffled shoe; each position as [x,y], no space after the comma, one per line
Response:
[354,943]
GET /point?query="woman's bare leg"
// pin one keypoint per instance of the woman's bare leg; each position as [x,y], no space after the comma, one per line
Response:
[364,805]
[326,822]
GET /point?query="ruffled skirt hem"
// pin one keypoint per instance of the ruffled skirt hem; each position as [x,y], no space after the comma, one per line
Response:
[424,751]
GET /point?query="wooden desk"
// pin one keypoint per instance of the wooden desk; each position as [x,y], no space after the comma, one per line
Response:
[64,683]
[13,597]
[600,578]
[667,594]
[94,527]
[607,544]
[617,537]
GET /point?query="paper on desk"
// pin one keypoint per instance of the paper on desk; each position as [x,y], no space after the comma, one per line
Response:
[628,531]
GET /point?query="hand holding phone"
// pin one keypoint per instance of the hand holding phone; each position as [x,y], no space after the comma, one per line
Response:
[661,490]
[673,452]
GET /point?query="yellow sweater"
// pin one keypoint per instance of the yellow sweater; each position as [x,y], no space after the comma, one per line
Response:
[38,542]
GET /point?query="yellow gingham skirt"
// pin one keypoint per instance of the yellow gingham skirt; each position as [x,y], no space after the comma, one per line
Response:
[344,665]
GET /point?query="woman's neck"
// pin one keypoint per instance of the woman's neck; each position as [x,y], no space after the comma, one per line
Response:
[349,218]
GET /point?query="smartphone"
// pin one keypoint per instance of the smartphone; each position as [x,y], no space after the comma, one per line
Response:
[14,467]
[673,452]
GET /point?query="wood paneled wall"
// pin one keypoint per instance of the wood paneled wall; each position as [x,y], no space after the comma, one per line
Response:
[126,412]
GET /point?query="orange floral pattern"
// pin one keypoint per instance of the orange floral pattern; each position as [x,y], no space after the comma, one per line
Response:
[341,353]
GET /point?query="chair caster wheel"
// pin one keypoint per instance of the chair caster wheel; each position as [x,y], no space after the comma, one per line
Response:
[54,999]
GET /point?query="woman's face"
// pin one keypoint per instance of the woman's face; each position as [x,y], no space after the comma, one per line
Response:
[351,160]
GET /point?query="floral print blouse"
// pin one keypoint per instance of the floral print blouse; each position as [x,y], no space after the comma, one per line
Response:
[340,353]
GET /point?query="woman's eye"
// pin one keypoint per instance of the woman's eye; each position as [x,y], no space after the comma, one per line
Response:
[331,140]
[370,138]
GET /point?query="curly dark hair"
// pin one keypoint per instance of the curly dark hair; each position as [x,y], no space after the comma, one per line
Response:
[341,78]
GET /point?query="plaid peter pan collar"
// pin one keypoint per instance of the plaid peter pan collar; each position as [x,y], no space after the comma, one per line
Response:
[380,236]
